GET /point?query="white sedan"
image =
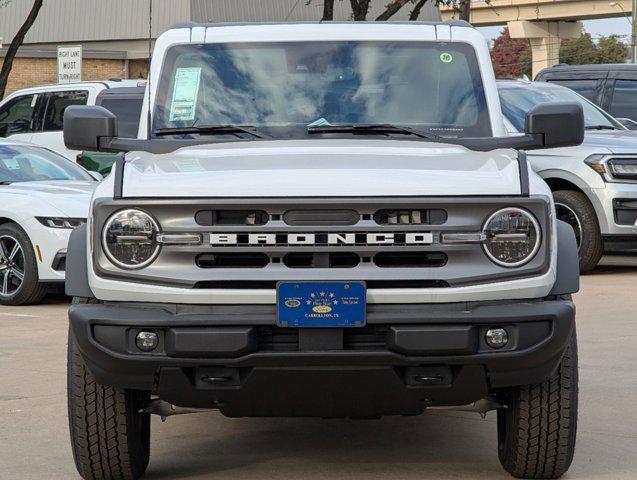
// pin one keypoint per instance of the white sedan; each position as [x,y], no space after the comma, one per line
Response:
[43,196]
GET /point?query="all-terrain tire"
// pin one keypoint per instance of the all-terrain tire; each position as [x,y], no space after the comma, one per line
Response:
[536,433]
[591,245]
[30,290]
[110,439]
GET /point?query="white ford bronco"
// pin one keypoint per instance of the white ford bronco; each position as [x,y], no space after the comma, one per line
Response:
[322,220]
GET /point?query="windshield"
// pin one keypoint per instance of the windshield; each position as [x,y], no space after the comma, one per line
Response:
[20,163]
[282,88]
[516,101]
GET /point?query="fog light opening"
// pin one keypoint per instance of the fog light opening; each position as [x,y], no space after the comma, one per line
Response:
[496,337]
[147,341]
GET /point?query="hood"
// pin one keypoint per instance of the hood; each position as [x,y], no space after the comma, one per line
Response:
[617,141]
[71,198]
[306,168]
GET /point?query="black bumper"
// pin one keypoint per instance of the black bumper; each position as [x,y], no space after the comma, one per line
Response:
[407,357]
[620,244]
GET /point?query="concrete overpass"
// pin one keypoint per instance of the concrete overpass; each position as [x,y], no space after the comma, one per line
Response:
[544,22]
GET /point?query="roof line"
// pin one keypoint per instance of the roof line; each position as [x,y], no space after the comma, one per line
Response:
[451,23]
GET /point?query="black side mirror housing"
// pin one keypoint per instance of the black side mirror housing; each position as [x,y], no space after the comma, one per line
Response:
[559,124]
[87,127]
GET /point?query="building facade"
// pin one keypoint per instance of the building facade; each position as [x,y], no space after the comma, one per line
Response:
[114,34]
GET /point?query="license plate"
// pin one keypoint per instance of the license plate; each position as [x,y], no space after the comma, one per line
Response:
[321,304]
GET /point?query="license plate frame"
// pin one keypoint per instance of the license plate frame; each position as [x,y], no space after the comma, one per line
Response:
[321,304]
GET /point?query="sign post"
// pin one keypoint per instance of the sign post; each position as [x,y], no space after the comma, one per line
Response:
[69,64]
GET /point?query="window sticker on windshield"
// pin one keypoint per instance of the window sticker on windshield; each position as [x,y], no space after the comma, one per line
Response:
[185,91]
[446,57]
[11,163]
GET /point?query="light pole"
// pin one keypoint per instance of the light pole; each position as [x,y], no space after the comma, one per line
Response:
[633,26]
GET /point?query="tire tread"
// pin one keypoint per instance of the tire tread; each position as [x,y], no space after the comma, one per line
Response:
[541,428]
[99,426]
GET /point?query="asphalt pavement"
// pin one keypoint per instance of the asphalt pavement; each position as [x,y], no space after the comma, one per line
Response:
[34,440]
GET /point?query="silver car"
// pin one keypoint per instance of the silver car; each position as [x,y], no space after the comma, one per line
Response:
[595,183]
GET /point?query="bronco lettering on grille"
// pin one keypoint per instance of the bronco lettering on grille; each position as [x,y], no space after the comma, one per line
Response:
[326,239]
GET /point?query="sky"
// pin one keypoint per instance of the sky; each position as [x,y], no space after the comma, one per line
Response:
[619,26]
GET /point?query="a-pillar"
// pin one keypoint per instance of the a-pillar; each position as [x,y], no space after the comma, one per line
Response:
[545,38]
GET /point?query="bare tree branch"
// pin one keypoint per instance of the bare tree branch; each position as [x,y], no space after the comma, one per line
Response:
[415,13]
[16,43]
[359,9]
[328,10]
[391,9]
[464,10]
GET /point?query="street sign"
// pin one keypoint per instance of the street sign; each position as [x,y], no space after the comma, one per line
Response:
[69,64]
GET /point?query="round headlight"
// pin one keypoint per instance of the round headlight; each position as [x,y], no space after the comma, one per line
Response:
[128,238]
[512,237]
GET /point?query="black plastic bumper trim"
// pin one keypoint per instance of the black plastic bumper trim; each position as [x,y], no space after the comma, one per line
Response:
[530,364]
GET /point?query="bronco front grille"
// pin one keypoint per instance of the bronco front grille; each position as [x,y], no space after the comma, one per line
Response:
[390,242]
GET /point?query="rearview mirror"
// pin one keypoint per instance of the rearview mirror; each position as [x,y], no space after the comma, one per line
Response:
[86,127]
[559,124]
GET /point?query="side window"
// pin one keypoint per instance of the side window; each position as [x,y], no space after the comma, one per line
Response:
[588,89]
[127,110]
[55,106]
[624,102]
[17,115]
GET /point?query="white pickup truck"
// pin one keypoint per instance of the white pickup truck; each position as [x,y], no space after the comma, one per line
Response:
[322,220]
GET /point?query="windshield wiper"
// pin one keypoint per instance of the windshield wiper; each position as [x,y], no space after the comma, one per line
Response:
[6,182]
[599,127]
[372,129]
[211,129]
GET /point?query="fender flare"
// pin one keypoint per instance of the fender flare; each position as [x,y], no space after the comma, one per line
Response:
[76,265]
[567,276]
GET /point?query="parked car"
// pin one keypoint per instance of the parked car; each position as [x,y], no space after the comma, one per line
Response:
[43,196]
[613,87]
[325,220]
[36,114]
[594,184]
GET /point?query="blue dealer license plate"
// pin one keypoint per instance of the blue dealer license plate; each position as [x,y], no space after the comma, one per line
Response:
[321,304]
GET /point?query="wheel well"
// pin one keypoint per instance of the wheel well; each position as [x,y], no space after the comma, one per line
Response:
[556,184]
[4,220]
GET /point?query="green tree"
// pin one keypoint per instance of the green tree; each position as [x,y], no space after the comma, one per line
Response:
[579,51]
[584,51]
[612,50]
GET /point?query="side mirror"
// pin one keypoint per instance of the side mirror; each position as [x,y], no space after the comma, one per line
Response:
[96,175]
[559,124]
[86,127]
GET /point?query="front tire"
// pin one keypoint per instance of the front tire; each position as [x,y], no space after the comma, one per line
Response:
[536,433]
[110,439]
[19,282]
[575,209]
